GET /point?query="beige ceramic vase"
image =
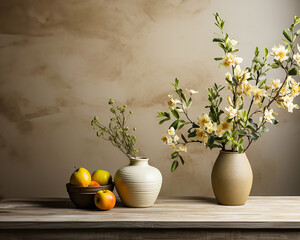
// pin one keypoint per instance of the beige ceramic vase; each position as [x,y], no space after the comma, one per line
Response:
[232,178]
[138,184]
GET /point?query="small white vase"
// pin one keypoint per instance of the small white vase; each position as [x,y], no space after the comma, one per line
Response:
[138,184]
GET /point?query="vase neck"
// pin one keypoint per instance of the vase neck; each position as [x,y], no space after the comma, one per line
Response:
[137,161]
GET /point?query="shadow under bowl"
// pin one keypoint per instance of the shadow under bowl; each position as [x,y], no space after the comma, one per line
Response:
[83,197]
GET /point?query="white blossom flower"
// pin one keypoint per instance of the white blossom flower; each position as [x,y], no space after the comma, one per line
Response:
[247,88]
[211,127]
[290,106]
[228,60]
[191,91]
[295,90]
[287,99]
[258,94]
[238,73]
[276,83]
[269,115]
[172,102]
[291,80]
[171,131]
[238,60]
[231,112]
[226,126]
[219,132]
[297,58]
[203,120]
[228,76]
[202,135]
[182,148]
[164,138]
[280,53]
[176,138]
[233,42]
[222,128]
[169,141]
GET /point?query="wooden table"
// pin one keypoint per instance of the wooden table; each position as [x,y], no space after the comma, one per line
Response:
[170,218]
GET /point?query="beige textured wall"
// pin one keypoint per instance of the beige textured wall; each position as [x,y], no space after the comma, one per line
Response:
[60,60]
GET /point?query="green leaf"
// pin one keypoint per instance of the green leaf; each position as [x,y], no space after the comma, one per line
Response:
[274,121]
[163,114]
[242,132]
[286,42]
[183,138]
[296,20]
[222,24]
[218,40]
[160,114]
[210,142]
[298,32]
[253,123]
[181,159]
[264,129]
[241,148]
[234,133]
[274,65]
[189,102]
[218,59]
[164,120]
[261,83]
[266,51]
[192,134]
[180,126]
[256,52]
[176,82]
[287,36]
[222,46]
[293,72]
[174,165]
[174,155]
[174,124]
[182,95]
[175,113]
[253,136]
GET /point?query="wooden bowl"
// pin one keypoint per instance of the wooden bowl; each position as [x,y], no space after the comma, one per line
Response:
[83,197]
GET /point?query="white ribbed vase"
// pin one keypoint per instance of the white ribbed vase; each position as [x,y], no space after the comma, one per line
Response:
[138,184]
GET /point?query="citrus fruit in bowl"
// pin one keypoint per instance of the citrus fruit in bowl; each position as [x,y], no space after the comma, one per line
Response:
[82,188]
[83,197]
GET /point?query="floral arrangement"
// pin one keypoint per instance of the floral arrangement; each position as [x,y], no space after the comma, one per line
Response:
[235,127]
[116,132]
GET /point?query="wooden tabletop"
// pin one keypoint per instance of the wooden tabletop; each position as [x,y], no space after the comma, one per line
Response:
[168,212]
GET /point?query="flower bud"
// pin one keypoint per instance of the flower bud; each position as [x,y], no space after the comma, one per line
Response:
[99,133]
[111,101]
[229,101]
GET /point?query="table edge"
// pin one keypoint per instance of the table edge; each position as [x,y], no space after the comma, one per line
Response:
[151,224]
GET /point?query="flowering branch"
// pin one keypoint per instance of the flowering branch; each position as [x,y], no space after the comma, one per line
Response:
[240,121]
[117,131]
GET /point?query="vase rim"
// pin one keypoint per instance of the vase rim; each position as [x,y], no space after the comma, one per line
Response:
[139,158]
[230,152]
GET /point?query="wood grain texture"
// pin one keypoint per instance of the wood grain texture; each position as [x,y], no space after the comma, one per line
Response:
[167,213]
[142,234]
